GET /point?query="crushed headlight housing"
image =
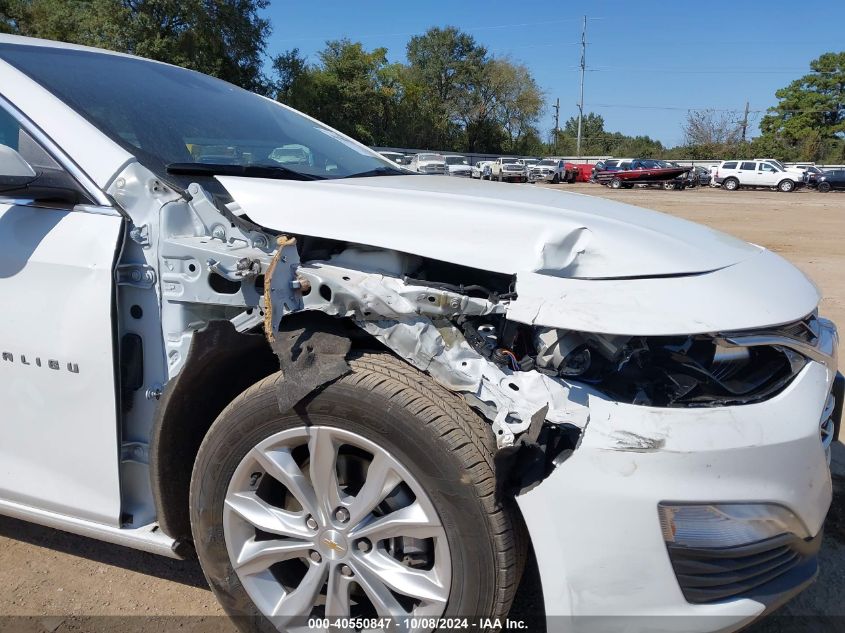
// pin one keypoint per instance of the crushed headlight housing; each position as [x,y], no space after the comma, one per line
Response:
[726,524]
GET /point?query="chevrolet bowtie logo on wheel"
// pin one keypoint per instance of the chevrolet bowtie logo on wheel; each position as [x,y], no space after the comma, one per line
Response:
[334,546]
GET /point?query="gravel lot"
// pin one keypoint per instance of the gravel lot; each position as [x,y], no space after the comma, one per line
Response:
[69,582]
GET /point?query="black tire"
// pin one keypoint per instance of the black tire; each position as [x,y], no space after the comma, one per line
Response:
[500,178]
[616,183]
[824,187]
[786,186]
[556,179]
[670,186]
[431,431]
[731,184]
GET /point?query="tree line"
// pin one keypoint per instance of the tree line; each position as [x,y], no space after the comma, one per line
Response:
[451,93]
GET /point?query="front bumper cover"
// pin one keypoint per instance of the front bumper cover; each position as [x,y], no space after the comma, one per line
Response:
[594,522]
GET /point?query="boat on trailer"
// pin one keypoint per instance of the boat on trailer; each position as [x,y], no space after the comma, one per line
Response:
[643,171]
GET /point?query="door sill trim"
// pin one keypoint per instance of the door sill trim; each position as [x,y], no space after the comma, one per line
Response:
[147,538]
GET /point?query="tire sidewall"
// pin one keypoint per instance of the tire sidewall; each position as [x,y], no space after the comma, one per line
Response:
[439,472]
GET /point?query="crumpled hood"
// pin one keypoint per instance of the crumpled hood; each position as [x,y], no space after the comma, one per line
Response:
[491,226]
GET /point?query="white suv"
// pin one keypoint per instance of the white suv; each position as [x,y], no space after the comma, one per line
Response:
[733,174]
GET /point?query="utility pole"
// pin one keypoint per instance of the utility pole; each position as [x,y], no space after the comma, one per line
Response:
[581,100]
[745,121]
[557,121]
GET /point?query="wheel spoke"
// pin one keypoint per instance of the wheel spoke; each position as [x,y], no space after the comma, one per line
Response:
[323,469]
[383,600]
[263,516]
[415,583]
[280,464]
[337,594]
[299,602]
[257,556]
[381,479]
[410,521]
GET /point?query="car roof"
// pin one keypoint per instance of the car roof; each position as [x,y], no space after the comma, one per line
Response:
[21,40]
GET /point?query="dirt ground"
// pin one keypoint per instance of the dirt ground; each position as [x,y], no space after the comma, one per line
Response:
[71,583]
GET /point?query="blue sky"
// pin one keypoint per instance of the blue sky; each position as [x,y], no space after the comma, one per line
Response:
[647,62]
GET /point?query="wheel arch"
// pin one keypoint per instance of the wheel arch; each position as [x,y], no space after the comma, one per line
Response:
[221,363]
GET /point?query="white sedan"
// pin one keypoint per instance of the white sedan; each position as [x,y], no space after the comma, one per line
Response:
[362,396]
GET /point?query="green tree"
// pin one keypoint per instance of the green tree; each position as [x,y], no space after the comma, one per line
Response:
[351,89]
[809,119]
[519,102]
[595,140]
[223,38]
[445,64]
[291,72]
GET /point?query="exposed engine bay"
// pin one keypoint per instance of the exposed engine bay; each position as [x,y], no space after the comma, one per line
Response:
[459,332]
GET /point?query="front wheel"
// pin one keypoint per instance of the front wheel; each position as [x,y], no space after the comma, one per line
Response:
[616,183]
[374,497]
[669,186]
[824,187]
[555,179]
[786,185]
[731,184]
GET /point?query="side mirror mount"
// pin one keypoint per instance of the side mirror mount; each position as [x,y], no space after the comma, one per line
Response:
[14,170]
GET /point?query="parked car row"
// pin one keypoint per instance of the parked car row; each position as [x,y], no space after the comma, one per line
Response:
[503,169]
[732,175]
[617,173]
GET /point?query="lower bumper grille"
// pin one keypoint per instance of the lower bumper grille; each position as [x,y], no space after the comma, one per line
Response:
[765,568]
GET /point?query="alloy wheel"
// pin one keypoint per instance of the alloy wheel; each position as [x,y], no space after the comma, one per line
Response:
[322,522]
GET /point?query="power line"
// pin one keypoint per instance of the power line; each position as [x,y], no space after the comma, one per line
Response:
[473,28]
[713,71]
[711,109]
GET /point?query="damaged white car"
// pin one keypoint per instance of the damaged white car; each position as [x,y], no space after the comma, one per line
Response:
[363,396]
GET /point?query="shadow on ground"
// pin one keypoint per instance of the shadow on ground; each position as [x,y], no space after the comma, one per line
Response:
[186,572]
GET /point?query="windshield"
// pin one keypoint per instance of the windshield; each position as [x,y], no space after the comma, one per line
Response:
[165,115]
[432,157]
[508,161]
[456,160]
[551,163]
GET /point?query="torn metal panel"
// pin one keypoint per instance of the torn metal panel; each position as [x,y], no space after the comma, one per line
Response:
[414,322]
[372,296]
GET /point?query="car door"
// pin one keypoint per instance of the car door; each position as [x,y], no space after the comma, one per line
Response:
[58,427]
[768,175]
[747,173]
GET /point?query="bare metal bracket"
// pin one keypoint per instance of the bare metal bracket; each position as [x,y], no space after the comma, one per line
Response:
[137,275]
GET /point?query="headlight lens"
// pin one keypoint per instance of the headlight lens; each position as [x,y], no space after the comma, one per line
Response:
[726,524]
